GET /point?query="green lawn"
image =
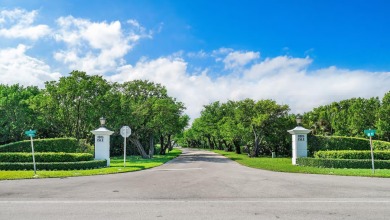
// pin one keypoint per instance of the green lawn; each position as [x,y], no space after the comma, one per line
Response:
[133,163]
[284,165]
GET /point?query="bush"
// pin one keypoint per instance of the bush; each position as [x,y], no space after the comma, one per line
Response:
[381,145]
[68,145]
[45,157]
[340,163]
[85,147]
[352,154]
[322,143]
[81,165]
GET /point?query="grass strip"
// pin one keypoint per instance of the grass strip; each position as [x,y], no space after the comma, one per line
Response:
[133,163]
[284,165]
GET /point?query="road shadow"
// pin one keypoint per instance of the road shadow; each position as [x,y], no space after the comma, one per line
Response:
[202,156]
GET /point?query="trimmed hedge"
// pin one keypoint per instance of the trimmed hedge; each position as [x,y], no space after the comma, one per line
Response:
[322,143]
[340,163]
[381,145]
[82,165]
[67,145]
[352,154]
[45,157]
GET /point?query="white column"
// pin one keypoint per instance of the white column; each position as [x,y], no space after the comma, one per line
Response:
[102,144]
[299,143]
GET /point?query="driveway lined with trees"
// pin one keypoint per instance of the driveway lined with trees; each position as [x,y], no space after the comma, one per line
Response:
[197,185]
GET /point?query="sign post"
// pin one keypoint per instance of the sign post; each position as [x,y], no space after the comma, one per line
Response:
[125,132]
[31,134]
[370,133]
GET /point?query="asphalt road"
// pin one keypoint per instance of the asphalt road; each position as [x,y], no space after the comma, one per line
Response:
[197,185]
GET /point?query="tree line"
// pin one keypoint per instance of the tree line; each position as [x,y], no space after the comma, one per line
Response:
[72,106]
[351,117]
[261,126]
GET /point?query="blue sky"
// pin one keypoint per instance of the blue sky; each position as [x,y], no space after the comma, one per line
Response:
[205,51]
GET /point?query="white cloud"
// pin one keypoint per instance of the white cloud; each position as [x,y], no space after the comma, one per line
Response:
[276,66]
[18,23]
[96,47]
[284,79]
[172,73]
[237,59]
[199,54]
[17,67]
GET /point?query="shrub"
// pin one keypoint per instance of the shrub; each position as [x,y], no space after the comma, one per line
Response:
[321,143]
[68,145]
[55,166]
[341,163]
[381,145]
[45,157]
[85,147]
[352,154]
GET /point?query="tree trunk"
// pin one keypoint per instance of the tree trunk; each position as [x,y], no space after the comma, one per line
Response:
[214,143]
[220,147]
[211,144]
[168,144]
[228,146]
[140,149]
[256,149]
[162,149]
[151,146]
[237,146]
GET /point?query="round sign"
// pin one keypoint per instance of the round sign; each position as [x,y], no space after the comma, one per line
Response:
[125,131]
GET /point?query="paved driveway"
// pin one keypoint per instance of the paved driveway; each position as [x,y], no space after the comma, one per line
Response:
[197,185]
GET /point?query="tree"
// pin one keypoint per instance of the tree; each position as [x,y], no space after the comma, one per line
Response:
[149,110]
[73,105]
[16,114]
[345,118]
[383,122]
[242,122]
[234,125]
[362,115]
[167,120]
[268,118]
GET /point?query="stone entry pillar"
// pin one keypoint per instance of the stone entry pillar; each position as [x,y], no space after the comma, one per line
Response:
[102,143]
[299,143]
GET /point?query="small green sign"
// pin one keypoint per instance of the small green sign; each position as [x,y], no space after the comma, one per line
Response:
[370,132]
[30,133]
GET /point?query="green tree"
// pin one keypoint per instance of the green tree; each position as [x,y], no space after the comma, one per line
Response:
[73,105]
[345,118]
[383,122]
[228,127]
[168,120]
[16,114]
[268,118]
[151,113]
[362,115]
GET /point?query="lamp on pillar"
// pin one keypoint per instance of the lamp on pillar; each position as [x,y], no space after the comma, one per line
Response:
[102,121]
[299,120]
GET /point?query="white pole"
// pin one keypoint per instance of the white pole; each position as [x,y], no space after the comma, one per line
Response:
[124,154]
[372,156]
[32,148]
